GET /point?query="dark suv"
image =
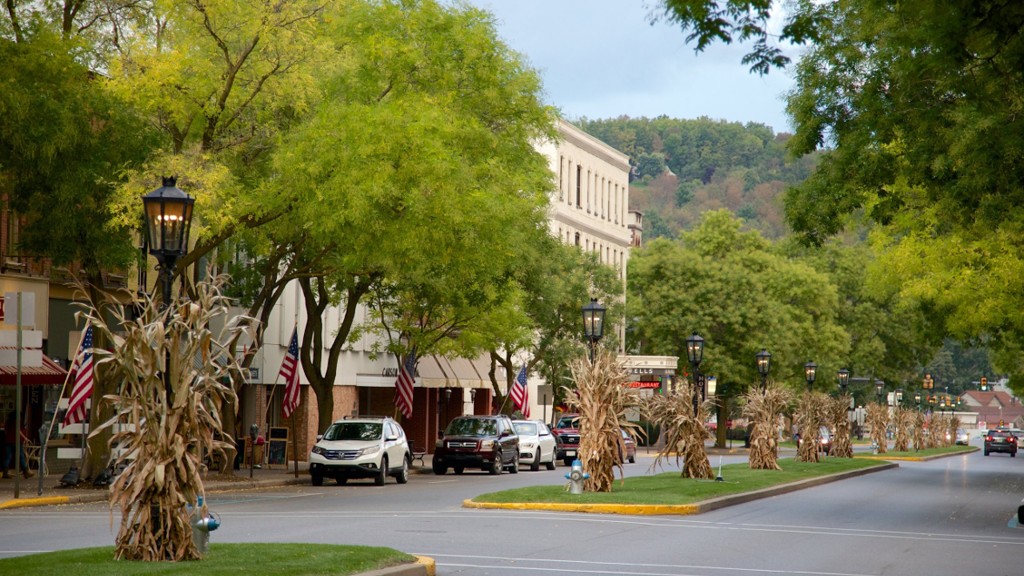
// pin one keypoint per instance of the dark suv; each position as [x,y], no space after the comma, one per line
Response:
[1000,441]
[486,442]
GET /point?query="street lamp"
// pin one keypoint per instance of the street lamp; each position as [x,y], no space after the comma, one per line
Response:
[879,388]
[593,324]
[899,396]
[844,380]
[810,371]
[695,353]
[764,364]
[168,213]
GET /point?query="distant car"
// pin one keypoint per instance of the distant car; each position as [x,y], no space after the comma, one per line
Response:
[370,447]
[1000,441]
[824,440]
[630,445]
[962,437]
[567,432]
[536,444]
[486,442]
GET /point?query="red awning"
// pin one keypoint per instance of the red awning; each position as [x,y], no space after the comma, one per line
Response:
[49,374]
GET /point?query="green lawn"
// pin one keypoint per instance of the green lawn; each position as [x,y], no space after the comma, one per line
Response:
[222,559]
[670,489]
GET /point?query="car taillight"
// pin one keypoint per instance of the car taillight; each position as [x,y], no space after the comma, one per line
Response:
[1012,438]
[988,438]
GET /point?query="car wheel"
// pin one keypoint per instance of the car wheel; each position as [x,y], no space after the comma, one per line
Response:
[1013,454]
[318,479]
[514,468]
[382,474]
[551,463]
[632,459]
[403,473]
[568,461]
[497,465]
[535,465]
[986,452]
[459,469]
[439,468]
[341,480]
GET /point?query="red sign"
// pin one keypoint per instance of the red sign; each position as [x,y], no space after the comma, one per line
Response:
[643,384]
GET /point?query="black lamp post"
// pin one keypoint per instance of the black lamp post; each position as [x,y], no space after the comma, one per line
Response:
[844,380]
[810,372]
[168,213]
[879,389]
[764,364]
[899,397]
[695,353]
[593,324]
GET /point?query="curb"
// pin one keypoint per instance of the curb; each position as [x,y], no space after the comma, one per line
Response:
[37,501]
[681,509]
[916,458]
[423,566]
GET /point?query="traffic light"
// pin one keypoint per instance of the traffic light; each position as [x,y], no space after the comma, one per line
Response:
[984,383]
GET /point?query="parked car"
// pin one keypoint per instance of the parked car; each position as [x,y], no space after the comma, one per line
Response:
[361,447]
[537,444]
[824,440]
[630,445]
[567,432]
[962,437]
[1000,441]
[486,442]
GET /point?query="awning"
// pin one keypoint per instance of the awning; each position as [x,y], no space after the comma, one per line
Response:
[440,372]
[49,374]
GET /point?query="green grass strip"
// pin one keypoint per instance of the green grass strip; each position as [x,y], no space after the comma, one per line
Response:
[927,452]
[222,559]
[669,488]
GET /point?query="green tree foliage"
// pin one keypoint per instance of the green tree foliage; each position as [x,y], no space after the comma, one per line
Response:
[919,103]
[417,171]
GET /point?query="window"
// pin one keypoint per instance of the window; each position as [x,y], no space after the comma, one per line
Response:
[579,186]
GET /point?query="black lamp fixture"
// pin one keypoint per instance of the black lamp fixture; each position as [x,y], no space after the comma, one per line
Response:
[472,394]
[764,365]
[899,397]
[168,213]
[844,379]
[695,353]
[810,372]
[593,324]
[879,388]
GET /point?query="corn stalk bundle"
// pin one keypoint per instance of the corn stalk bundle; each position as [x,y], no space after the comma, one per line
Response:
[601,399]
[878,419]
[162,447]
[763,409]
[934,425]
[839,416]
[903,421]
[952,424]
[811,414]
[919,441]
[684,431]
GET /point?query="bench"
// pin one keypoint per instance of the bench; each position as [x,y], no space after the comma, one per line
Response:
[417,455]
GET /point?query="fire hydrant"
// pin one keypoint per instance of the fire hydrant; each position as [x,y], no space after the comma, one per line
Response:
[576,477]
[203,522]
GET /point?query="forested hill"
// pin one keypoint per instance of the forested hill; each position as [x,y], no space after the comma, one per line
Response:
[682,168]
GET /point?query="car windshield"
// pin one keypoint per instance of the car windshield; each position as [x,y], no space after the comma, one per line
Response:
[568,422]
[472,427]
[354,431]
[526,428]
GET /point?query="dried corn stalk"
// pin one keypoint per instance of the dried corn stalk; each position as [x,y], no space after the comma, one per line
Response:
[161,447]
[763,409]
[934,425]
[919,442]
[684,431]
[839,416]
[952,424]
[878,419]
[903,421]
[811,414]
[601,399]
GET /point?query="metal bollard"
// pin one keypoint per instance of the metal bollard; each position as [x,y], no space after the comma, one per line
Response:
[576,477]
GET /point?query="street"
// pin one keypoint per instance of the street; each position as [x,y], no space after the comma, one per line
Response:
[949,516]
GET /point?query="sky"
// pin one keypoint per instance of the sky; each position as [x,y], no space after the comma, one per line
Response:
[603,59]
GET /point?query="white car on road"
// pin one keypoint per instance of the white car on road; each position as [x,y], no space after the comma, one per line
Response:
[370,447]
[536,444]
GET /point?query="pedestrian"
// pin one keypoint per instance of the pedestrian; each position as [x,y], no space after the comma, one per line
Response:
[10,440]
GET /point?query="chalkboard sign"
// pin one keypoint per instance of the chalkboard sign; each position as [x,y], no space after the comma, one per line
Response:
[278,446]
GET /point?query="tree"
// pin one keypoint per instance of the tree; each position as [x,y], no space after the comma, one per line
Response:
[414,180]
[918,103]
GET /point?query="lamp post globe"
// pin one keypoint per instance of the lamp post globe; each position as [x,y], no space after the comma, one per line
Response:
[844,379]
[810,373]
[764,365]
[168,214]
[593,323]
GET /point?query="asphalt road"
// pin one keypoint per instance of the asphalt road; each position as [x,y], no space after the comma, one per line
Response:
[953,516]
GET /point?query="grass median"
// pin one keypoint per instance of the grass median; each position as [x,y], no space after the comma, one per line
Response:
[222,559]
[919,454]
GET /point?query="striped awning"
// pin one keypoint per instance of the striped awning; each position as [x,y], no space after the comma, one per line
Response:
[49,374]
[440,372]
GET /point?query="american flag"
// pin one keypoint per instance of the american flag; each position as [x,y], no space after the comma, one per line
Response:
[82,390]
[521,393]
[404,384]
[290,374]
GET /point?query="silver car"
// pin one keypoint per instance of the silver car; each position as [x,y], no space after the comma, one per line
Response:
[536,444]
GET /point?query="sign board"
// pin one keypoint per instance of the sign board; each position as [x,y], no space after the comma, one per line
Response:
[29,358]
[278,446]
[29,338]
[545,391]
[28,308]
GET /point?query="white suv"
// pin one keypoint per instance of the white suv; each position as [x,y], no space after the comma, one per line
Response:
[361,447]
